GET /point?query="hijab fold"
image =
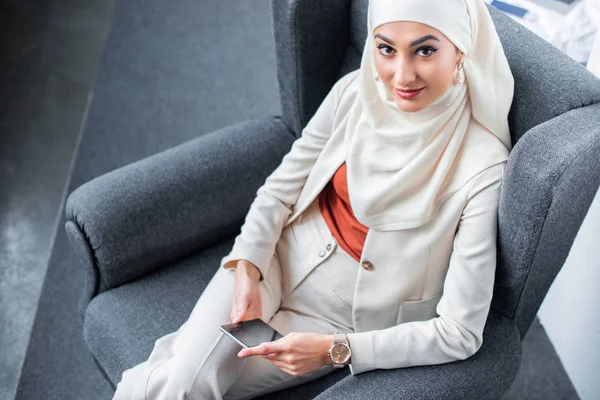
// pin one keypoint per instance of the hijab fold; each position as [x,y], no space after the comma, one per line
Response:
[402,166]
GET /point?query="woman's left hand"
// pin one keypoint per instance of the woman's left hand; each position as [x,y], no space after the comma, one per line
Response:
[297,353]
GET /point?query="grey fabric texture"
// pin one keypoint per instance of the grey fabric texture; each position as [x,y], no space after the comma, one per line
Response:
[83,249]
[311,38]
[140,217]
[551,178]
[122,324]
[485,375]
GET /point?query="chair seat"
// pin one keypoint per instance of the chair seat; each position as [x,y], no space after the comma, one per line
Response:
[122,324]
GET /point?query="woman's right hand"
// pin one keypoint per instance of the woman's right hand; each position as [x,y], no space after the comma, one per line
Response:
[247,302]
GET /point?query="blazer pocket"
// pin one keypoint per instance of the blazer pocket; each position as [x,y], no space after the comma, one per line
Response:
[418,310]
[341,299]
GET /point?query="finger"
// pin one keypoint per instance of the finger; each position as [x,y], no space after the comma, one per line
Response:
[245,311]
[233,316]
[239,317]
[261,349]
[252,351]
[241,313]
[235,308]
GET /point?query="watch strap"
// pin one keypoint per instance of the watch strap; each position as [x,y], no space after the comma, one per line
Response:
[339,338]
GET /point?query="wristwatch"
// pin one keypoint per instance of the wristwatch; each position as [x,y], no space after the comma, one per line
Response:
[339,352]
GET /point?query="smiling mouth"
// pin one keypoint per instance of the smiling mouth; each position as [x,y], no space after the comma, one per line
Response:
[407,95]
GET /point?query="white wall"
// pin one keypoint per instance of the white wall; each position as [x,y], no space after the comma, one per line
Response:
[570,312]
[593,63]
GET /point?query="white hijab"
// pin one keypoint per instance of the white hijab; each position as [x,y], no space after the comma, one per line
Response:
[402,166]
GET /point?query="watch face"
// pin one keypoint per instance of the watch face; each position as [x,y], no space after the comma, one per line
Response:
[340,353]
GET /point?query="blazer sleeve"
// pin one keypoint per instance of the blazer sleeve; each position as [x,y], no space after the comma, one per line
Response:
[457,332]
[275,198]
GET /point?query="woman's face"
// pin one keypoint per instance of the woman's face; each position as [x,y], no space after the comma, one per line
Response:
[411,55]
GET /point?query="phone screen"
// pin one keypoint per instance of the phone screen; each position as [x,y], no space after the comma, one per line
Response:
[251,333]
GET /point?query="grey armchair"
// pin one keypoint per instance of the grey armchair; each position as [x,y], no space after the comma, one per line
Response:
[150,235]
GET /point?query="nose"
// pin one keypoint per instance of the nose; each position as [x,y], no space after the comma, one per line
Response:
[404,73]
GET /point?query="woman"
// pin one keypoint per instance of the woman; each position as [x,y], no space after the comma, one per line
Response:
[373,243]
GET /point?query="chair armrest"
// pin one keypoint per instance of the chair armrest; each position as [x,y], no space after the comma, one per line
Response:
[136,219]
[485,375]
[310,43]
[551,179]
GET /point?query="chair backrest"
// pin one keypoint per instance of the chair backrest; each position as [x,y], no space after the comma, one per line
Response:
[556,106]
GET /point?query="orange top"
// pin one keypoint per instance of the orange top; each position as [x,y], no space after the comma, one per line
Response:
[337,212]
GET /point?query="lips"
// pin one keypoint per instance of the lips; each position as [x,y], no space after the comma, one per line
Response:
[408,94]
[408,90]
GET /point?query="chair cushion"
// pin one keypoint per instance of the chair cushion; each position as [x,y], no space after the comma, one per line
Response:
[122,324]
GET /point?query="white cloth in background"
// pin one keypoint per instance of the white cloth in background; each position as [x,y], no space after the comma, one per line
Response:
[593,7]
[594,62]
[573,33]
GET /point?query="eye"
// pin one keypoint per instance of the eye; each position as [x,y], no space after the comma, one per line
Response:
[428,49]
[383,47]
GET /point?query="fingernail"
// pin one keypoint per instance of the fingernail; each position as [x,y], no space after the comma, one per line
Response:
[241,353]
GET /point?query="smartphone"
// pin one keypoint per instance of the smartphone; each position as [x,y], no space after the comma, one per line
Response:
[251,333]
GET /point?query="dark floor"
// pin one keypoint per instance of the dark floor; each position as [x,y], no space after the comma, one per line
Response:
[50,57]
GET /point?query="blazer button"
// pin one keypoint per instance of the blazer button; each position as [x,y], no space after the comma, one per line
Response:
[367,265]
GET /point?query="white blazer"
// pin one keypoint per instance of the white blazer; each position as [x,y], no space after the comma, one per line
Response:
[427,296]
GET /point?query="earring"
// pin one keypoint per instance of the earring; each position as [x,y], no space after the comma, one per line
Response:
[376,76]
[459,73]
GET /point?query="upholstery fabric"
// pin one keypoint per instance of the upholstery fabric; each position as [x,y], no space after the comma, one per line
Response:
[551,179]
[141,217]
[310,42]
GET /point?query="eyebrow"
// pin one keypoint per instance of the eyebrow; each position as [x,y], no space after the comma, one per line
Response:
[413,43]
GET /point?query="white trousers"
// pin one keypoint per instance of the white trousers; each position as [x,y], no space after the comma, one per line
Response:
[199,362]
